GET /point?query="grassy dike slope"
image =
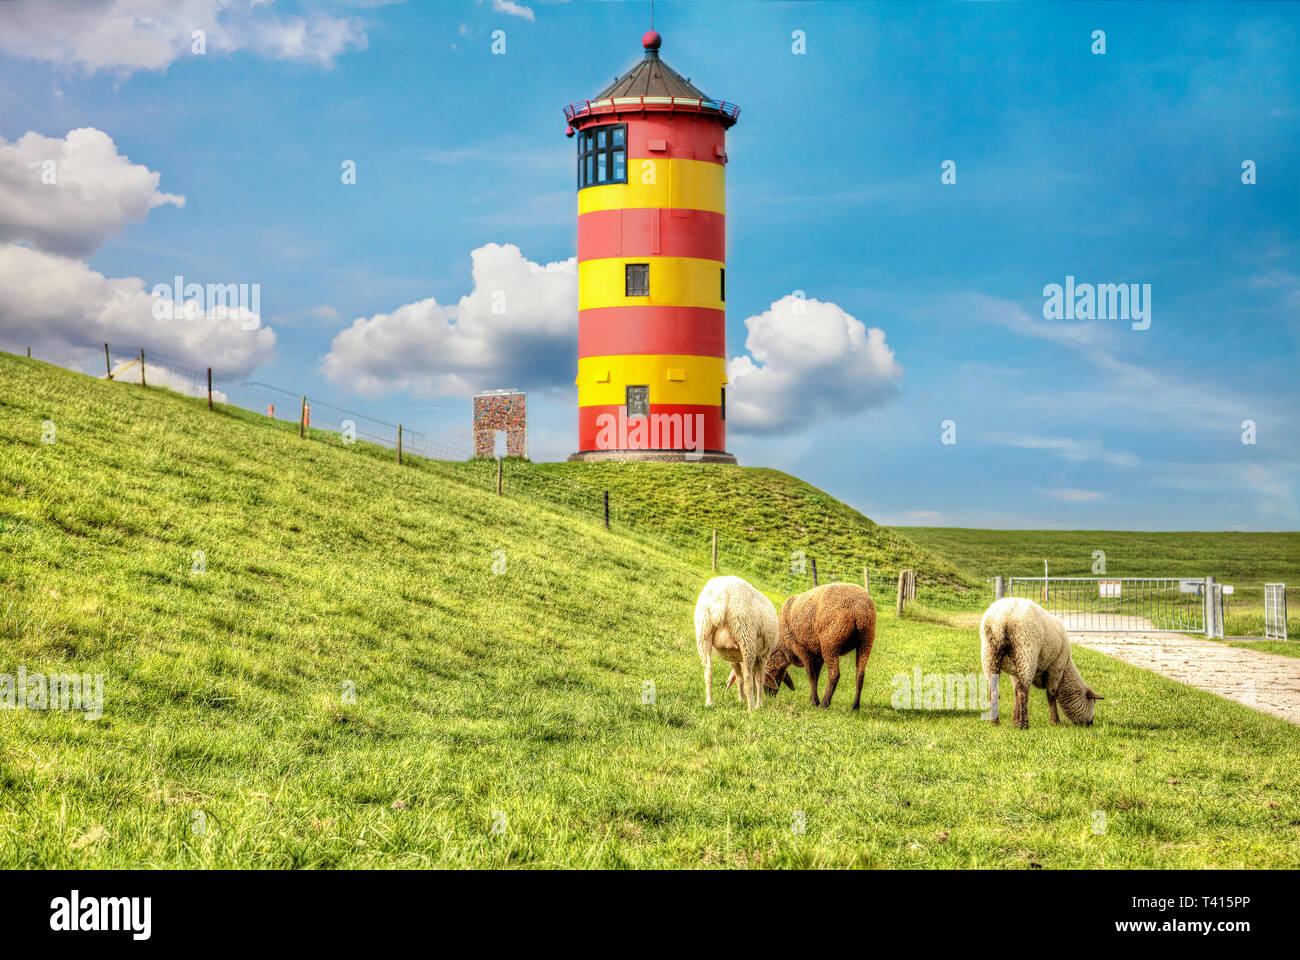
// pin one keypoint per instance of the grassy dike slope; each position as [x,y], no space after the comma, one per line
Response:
[765,519]
[226,739]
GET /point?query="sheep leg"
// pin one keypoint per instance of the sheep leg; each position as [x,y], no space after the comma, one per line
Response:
[863,653]
[759,669]
[708,678]
[747,682]
[832,678]
[1020,715]
[814,674]
[1051,707]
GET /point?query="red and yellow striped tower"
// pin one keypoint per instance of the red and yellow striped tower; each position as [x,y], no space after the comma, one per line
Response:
[652,376]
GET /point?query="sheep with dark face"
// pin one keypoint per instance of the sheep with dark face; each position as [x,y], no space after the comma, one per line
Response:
[1021,637]
[820,626]
[735,621]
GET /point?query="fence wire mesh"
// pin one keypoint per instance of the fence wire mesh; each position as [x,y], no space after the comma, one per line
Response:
[1275,611]
[1114,604]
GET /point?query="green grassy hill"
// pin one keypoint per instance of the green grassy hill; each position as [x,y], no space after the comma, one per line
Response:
[770,524]
[314,657]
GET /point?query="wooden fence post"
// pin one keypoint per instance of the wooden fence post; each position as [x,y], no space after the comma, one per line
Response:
[866,579]
[209,388]
[399,444]
[715,549]
[814,566]
[606,509]
[498,476]
[902,579]
[29,353]
[302,419]
[142,380]
[108,364]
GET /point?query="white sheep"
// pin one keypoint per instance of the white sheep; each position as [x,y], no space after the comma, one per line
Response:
[737,622]
[1031,644]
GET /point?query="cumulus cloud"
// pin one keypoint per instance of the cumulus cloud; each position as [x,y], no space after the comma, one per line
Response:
[45,297]
[131,35]
[517,327]
[807,360]
[69,194]
[49,295]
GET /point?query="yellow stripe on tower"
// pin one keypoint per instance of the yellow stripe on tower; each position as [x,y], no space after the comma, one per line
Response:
[681,184]
[674,282]
[604,380]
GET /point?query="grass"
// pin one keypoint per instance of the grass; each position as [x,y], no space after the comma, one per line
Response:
[514,700]
[769,523]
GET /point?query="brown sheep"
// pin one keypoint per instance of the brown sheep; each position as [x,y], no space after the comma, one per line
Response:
[820,626]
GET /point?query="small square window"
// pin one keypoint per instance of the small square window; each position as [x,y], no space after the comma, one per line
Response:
[637,280]
[638,401]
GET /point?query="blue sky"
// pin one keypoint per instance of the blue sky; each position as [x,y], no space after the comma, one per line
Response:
[1124,167]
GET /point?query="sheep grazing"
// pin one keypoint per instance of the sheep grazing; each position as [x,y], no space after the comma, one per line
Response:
[820,626]
[1020,636]
[735,621]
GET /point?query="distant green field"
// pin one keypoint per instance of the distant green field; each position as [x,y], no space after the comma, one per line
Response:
[313,657]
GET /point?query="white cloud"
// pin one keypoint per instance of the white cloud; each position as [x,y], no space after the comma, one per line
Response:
[129,35]
[1072,495]
[517,327]
[48,298]
[95,193]
[808,360]
[1070,449]
[513,9]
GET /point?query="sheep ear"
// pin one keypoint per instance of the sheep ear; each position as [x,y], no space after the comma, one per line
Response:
[1093,695]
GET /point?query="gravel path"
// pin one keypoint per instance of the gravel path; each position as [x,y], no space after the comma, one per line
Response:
[1265,681]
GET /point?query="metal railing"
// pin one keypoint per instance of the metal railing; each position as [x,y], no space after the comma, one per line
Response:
[1124,604]
[613,104]
[1275,611]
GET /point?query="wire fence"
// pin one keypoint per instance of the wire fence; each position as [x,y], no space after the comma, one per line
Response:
[276,403]
[1126,604]
[728,551]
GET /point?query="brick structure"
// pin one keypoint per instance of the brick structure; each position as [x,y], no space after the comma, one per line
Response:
[501,410]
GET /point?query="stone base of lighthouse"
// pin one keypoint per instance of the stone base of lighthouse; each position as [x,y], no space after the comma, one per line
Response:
[657,456]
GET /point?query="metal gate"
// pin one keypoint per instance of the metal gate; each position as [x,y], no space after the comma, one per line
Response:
[1275,611]
[1124,604]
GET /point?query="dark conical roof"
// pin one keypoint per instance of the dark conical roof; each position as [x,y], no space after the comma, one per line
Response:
[651,77]
[651,85]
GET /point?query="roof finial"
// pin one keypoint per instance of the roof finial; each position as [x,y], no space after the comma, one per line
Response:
[651,40]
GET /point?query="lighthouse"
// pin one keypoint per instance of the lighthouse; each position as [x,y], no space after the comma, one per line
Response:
[652,279]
